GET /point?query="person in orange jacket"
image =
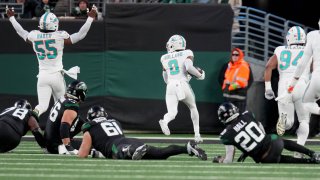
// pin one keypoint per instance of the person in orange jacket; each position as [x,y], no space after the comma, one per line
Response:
[236,80]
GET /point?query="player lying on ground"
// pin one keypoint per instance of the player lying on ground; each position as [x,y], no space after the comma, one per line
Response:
[64,121]
[243,132]
[15,122]
[106,136]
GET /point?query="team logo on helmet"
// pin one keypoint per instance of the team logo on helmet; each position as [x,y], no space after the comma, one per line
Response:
[296,35]
[49,22]
[176,42]
[22,103]
[227,112]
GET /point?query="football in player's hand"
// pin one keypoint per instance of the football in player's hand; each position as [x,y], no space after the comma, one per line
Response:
[199,69]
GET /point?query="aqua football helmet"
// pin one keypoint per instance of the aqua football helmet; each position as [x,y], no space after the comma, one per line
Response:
[296,35]
[96,112]
[49,22]
[176,42]
[22,103]
[227,112]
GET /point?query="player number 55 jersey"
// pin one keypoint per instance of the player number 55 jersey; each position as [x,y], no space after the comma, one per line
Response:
[49,49]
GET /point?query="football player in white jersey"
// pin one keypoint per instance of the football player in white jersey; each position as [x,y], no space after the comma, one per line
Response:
[48,43]
[312,92]
[286,59]
[177,65]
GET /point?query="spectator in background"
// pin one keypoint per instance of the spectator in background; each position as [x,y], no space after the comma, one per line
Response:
[43,7]
[81,10]
[237,80]
[30,7]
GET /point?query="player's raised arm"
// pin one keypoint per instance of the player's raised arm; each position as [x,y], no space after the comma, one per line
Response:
[21,32]
[76,37]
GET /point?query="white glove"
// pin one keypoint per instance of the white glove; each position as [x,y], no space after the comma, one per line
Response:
[269,94]
[67,150]
[203,75]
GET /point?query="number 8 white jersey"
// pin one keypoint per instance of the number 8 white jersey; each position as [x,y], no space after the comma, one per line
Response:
[173,63]
[49,49]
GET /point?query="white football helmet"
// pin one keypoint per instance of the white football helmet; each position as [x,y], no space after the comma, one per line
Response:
[296,35]
[176,42]
[49,22]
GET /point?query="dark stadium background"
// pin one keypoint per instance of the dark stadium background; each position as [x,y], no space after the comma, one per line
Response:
[301,11]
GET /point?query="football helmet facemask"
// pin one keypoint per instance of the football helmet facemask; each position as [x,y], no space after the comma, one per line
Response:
[296,35]
[227,112]
[77,90]
[176,42]
[95,112]
[49,22]
[22,103]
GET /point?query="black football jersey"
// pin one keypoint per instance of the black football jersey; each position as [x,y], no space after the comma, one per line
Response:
[52,131]
[245,134]
[104,133]
[17,118]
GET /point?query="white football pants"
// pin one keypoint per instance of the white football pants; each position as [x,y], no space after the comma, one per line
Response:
[49,84]
[297,105]
[312,94]
[181,91]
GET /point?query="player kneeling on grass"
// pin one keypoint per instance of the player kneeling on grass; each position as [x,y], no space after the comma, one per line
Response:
[106,136]
[64,121]
[245,133]
[15,123]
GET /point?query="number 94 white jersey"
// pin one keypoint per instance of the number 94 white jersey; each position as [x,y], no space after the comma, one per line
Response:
[174,64]
[288,59]
[49,49]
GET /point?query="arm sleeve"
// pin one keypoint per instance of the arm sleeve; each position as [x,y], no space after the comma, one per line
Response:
[21,32]
[191,69]
[229,154]
[305,58]
[165,76]
[76,37]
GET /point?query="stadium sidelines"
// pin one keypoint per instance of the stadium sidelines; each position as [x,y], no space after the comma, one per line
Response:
[154,139]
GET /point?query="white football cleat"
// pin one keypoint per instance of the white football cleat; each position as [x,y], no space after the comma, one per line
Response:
[281,124]
[139,152]
[198,139]
[194,149]
[67,150]
[164,127]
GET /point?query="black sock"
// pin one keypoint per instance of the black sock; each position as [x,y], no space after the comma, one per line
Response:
[293,146]
[164,153]
[290,159]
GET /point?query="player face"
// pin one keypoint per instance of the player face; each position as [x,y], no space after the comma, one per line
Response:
[235,56]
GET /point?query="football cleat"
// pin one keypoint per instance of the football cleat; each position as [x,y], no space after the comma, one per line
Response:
[281,124]
[298,155]
[139,152]
[96,154]
[164,127]
[194,149]
[198,139]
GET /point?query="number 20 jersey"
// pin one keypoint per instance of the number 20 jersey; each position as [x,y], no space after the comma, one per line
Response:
[49,49]
[245,134]
[173,63]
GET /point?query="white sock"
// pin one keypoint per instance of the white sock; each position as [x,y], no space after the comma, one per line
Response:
[302,133]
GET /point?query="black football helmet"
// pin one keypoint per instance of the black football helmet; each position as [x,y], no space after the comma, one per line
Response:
[95,112]
[77,90]
[22,103]
[227,112]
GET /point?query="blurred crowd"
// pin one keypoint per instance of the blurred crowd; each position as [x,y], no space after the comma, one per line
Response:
[79,8]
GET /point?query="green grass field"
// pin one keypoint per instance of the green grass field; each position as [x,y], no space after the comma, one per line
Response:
[28,162]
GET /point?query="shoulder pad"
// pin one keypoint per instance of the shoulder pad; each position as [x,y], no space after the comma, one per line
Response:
[188,52]
[85,127]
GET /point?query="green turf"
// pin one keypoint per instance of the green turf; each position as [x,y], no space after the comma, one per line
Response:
[28,162]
